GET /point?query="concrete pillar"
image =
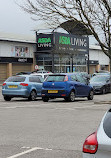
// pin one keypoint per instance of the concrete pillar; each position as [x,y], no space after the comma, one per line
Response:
[109,67]
[32,67]
[34,63]
[9,70]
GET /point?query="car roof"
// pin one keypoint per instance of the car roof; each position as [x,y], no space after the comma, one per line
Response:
[40,73]
[102,75]
[68,74]
[26,75]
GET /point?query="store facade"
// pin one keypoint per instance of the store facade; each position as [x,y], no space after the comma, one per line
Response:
[59,52]
[15,57]
[55,52]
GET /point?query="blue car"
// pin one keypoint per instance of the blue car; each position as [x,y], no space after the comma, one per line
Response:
[25,86]
[67,86]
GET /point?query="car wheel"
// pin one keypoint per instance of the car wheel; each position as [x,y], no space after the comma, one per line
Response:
[91,95]
[45,99]
[33,95]
[72,96]
[6,98]
[103,91]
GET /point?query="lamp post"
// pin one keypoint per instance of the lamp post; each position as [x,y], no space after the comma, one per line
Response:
[87,62]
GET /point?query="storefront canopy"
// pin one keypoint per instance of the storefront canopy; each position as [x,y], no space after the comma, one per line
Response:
[75,28]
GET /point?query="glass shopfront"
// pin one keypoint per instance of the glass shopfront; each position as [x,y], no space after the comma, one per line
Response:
[62,63]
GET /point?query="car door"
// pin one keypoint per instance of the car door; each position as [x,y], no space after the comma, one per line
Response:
[81,86]
[38,84]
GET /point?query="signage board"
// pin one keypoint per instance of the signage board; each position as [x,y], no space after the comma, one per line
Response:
[71,43]
[44,42]
[63,43]
[15,60]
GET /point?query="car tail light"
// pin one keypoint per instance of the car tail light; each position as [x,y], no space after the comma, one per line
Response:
[91,145]
[23,84]
[63,95]
[4,84]
[66,78]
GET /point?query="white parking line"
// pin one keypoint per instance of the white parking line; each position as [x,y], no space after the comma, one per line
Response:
[28,151]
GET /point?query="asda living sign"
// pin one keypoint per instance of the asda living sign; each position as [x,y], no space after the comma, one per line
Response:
[69,43]
[62,43]
[72,41]
[44,42]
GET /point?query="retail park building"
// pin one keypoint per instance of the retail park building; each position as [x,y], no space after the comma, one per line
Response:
[55,52]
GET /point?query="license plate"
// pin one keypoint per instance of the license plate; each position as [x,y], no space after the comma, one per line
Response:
[12,86]
[52,91]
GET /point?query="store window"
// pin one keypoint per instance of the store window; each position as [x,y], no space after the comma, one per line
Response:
[62,62]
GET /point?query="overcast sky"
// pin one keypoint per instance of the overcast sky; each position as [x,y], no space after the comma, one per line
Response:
[15,20]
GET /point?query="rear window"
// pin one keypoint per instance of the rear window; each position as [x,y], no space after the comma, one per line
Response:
[35,79]
[16,79]
[107,124]
[55,78]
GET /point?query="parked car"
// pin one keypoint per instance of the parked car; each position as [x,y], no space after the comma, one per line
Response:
[101,84]
[23,73]
[101,72]
[98,144]
[25,86]
[43,75]
[67,86]
[41,71]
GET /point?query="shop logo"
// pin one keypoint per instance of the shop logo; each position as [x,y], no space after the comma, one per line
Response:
[44,42]
[81,42]
[64,40]
[22,60]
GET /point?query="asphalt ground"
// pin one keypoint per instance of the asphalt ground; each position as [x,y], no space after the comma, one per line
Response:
[57,129]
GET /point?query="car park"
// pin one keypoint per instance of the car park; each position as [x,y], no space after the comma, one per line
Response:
[67,86]
[25,86]
[101,83]
[98,144]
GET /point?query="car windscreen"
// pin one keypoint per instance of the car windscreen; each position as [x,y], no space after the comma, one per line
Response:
[99,78]
[107,124]
[16,79]
[55,78]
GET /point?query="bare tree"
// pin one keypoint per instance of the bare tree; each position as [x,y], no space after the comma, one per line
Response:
[94,14]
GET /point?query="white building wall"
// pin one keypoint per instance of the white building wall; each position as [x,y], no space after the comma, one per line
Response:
[6,48]
[98,55]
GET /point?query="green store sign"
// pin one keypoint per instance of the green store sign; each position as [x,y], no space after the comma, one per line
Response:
[73,41]
[64,40]
[44,40]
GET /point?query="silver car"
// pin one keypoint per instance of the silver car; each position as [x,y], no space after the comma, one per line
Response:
[98,144]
